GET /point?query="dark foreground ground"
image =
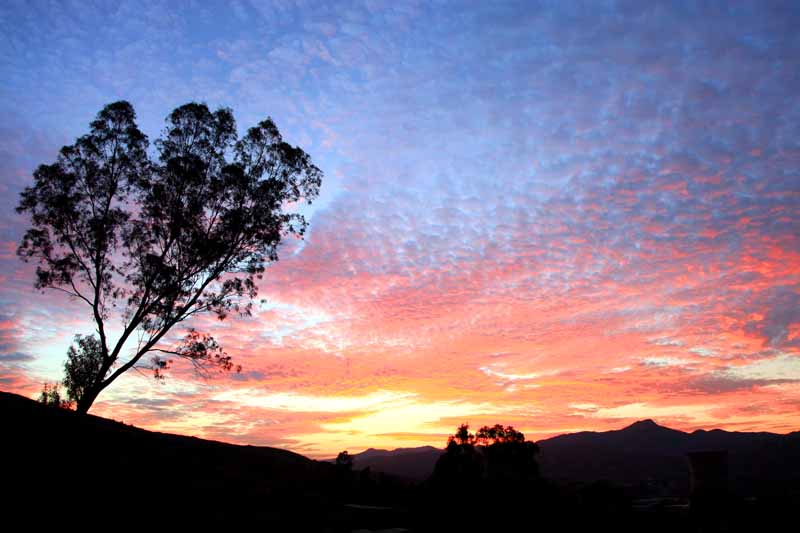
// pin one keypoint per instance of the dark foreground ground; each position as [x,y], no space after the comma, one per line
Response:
[86,473]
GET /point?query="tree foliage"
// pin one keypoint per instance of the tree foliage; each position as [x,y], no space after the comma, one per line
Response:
[84,363]
[493,454]
[344,461]
[51,395]
[498,434]
[157,238]
[462,436]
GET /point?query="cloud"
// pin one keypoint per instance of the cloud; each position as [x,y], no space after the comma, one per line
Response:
[641,410]
[306,403]
[665,361]
[781,367]
[613,211]
[15,357]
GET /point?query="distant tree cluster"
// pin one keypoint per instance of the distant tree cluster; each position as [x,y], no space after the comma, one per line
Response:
[486,478]
[486,436]
[493,454]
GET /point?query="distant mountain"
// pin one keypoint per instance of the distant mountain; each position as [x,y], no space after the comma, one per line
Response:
[640,453]
[409,463]
[647,451]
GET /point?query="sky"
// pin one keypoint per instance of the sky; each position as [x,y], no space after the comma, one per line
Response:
[561,216]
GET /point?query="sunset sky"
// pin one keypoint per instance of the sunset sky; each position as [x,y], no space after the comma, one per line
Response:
[557,215]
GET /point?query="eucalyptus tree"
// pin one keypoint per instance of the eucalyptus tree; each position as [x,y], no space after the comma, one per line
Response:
[152,237]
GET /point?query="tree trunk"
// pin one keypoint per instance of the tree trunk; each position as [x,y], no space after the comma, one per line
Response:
[86,401]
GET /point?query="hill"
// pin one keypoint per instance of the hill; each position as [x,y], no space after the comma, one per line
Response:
[90,470]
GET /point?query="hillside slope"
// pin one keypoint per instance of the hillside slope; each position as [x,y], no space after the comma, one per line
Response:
[80,468]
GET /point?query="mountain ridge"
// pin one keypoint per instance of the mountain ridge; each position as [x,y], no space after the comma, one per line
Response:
[641,450]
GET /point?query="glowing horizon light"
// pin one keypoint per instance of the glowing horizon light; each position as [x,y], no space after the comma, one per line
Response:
[528,217]
[306,403]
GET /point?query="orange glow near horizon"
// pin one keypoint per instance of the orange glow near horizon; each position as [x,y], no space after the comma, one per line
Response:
[336,361]
[561,218]
[350,364]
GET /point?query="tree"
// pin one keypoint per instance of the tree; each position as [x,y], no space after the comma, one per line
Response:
[460,464]
[462,436]
[51,395]
[494,453]
[157,238]
[494,471]
[344,461]
[498,434]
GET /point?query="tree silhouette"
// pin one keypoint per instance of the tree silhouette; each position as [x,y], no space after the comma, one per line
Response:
[498,434]
[82,365]
[51,395]
[460,464]
[344,461]
[486,480]
[161,238]
[494,454]
[462,436]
